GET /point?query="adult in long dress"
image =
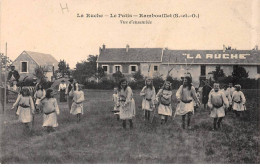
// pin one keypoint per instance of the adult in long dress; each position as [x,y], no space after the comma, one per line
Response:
[78,99]
[68,89]
[186,96]
[126,102]
[62,90]
[205,93]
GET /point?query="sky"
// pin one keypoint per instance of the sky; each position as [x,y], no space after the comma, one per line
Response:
[41,26]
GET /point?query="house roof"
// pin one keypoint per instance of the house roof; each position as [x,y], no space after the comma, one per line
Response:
[240,57]
[43,59]
[132,55]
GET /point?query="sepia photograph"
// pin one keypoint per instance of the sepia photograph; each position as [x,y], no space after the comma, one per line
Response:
[130,82]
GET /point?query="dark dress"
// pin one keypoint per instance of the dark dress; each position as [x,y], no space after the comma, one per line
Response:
[205,94]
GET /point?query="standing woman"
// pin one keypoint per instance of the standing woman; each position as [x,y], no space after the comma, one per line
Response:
[205,93]
[25,107]
[38,96]
[78,98]
[149,96]
[62,90]
[185,96]
[127,103]
[164,96]
[68,89]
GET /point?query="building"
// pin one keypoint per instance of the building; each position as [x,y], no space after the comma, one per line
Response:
[199,63]
[27,61]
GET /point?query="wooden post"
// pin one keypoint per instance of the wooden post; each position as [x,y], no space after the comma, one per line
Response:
[5,78]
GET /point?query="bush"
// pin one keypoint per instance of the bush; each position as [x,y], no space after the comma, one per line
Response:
[246,83]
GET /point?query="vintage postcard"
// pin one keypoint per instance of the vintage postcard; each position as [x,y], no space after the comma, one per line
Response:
[129,81]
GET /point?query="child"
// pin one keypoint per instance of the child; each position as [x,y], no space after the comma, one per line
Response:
[186,95]
[239,100]
[227,94]
[198,96]
[149,96]
[62,90]
[68,89]
[78,98]
[51,110]
[39,95]
[25,107]
[217,103]
[164,96]
[116,103]
[127,103]
[230,90]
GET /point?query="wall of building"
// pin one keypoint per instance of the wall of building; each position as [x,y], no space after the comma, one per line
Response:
[125,67]
[144,67]
[31,65]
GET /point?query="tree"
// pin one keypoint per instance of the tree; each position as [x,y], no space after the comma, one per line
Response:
[117,76]
[138,76]
[100,73]
[218,73]
[86,69]
[63,68]
[40,73]
[239,72]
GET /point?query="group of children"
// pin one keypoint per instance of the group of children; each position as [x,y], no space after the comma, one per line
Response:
[188,100]
[47,104]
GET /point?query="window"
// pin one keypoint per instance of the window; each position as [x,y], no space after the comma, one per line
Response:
[117,68]
[155,68]
[202,70]
[258,69]
[24,67]
[105,68]
[133,68]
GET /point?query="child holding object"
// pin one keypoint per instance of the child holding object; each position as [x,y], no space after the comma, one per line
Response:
[78,98]
[116,103]
[164,96]
[51,110]
[239,100]
[26,108]
[217,104]
[149,97]
[38,96]
[186,96]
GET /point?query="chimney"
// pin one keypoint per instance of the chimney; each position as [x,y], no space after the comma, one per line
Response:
[224,48]
[127,47]
[100,50]
[104,47]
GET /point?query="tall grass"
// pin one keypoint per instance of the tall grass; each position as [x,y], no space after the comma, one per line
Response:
[100,138]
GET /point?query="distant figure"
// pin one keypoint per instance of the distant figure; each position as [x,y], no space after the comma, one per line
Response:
[78,99]
[217,103]
[51,110]
[185,95]
[68,89]
[115,99]
[13,75]
[25,107]
[230,89]
[198,96]
[205,93]
[62,90]
[239,100]
[127,103]
[224,90]
[149,97]
[38,96]
[164,97]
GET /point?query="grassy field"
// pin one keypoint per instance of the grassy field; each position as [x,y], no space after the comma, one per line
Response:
[100,138]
